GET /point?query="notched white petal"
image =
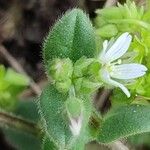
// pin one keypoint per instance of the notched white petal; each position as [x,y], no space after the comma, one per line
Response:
[106,78]
[76,125]
[105,45]
[128,71]
[119,48]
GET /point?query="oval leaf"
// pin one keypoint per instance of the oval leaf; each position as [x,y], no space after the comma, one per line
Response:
[52,111]
[48,145]
[72,36]
[55,121]
[125,121]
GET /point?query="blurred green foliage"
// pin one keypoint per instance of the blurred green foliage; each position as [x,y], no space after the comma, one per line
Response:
[11,84]
[19,139]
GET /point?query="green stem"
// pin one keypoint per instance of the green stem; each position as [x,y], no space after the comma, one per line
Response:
[12,121]
[143,97]
[72,92]
[131,21]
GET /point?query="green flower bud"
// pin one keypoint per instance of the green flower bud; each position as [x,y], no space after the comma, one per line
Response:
[110,13]
[99,22]
[81,66]
[61,69]
[63,86]
[74,107]
[93,71]
[85,86]
[107,31]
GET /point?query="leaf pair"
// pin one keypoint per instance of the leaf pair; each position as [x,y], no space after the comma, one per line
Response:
[72,37]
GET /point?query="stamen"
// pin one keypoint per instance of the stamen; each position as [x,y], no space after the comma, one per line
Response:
[119,61]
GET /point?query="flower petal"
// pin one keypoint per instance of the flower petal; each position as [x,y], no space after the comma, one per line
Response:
[106,78]
[128,71]
[76,125]
[105,45]
[119,48]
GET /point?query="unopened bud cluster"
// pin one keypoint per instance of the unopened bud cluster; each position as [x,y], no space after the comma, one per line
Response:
[83,74]
[61,72]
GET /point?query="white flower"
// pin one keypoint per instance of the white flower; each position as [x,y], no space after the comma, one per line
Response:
[76,125]
[115,70]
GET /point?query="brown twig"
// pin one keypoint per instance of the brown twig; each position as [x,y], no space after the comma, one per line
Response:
[14,64]
[81,4]
[118,145]
[110,3]
[104,95]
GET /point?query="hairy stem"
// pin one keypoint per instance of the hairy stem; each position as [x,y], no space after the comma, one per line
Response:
[12,121]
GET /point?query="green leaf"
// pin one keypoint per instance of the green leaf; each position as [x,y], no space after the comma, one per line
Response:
[124,100]
[72,36]
[109,13]
[15,78]
[123,122]
[140,139]
[52,111]
[107,31]
[20,139]
[28,109]
[48,145]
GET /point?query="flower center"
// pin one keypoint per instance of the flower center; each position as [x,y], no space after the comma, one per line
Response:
[110,66]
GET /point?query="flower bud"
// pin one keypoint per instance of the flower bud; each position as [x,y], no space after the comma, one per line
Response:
[61,69]
[109,13]
[86,86]
[107,31]
[76,125]
[81,66]
[93,70]
[63,86]
[74,109]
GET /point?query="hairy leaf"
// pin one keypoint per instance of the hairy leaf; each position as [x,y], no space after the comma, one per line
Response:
[72,36]
[123,122]
[56,124]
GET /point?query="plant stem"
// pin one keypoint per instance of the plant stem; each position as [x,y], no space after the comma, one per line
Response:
[9,120]
[131,21]
[142,97]
[118,145]
[110,3]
